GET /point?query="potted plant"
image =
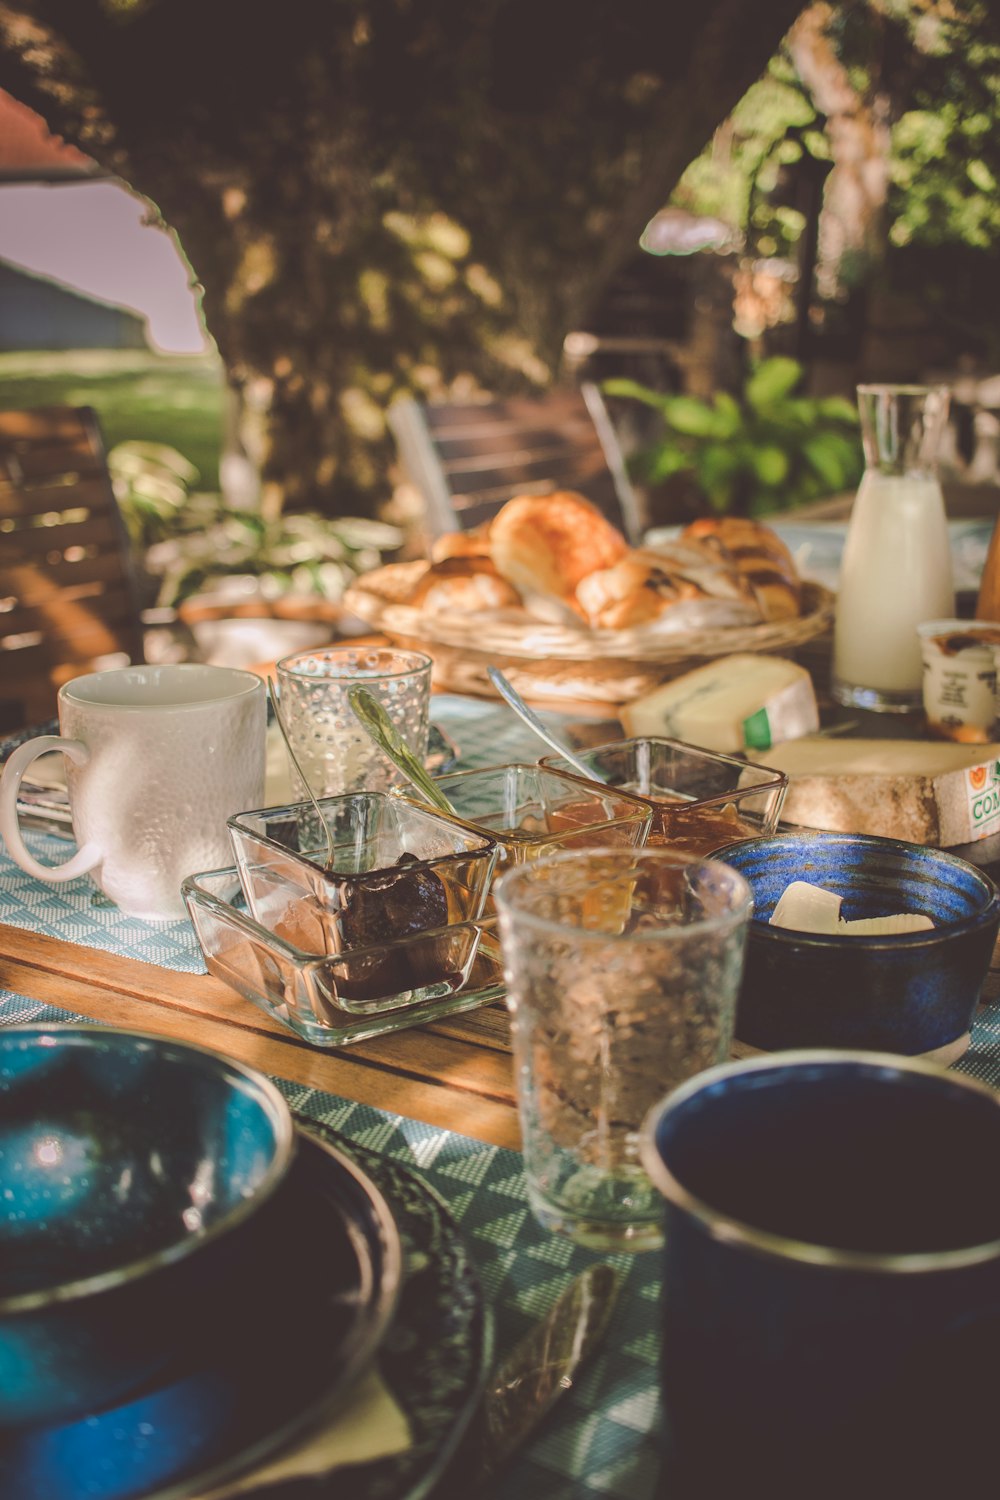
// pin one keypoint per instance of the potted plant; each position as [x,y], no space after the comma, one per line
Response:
[766,449]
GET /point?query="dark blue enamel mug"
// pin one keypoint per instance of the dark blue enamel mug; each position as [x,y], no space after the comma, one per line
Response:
[831,1278]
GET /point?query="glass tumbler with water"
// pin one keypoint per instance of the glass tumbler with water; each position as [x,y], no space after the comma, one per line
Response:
[335,754]
[896,570]
[623,968]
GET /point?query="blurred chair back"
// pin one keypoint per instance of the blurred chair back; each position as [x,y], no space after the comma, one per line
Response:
[68,601]
[468,458]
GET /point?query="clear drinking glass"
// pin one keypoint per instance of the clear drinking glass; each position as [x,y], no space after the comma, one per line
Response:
[622,969]
[896,569]
[335,753]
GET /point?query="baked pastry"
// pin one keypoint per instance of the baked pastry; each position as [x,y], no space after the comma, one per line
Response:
[545,544]
[649,586]
[463,584]
[473,543]
[761,557]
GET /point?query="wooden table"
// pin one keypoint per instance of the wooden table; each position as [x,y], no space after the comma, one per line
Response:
[454,1073]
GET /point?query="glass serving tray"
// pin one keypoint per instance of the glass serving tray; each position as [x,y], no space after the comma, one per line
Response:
[299,989]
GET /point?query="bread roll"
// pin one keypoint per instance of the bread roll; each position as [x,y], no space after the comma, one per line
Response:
[760,555]
[474,543]
[545,544]
[647,584]
[464,584]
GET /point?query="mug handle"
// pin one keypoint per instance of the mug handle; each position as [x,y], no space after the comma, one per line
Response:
[16,764]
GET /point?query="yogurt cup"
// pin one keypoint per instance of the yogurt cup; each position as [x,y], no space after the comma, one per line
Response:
[960,678]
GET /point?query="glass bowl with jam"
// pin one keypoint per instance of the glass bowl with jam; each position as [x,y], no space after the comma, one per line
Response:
[700,800]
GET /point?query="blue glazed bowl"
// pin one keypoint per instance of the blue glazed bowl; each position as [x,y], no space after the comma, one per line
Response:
[139,1187]
[913,994]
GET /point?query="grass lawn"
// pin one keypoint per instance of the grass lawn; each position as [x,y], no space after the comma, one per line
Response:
[172,399]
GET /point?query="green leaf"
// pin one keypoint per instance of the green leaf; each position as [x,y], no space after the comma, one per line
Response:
[358,532]
[771,465]
[689,415]
[837,409]
[981,176]
[716,466]
[728,414]
[665,462]
[636,392]
[771,381]
[823,458]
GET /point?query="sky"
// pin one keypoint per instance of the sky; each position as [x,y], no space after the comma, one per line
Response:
[90,236]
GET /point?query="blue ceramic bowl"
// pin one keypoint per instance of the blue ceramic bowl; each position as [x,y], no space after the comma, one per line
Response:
[913,994]
[138,1181]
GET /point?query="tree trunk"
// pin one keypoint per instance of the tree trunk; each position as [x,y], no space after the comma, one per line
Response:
[387,195]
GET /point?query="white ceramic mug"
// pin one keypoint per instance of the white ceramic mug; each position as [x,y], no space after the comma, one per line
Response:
[157,759]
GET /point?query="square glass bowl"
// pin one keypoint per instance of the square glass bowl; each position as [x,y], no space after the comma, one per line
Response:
[700,800]
[390,905]
[302,990]
[532,810]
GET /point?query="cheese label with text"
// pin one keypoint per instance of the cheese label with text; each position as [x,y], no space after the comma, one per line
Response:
[983,786]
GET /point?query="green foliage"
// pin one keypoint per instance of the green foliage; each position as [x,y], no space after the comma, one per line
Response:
[767,450]
[946,167]
[736,175]
[304,554]
[151,482]
[190,541]
[938,70]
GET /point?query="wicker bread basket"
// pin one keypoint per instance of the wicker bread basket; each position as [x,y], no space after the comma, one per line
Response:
[558,660]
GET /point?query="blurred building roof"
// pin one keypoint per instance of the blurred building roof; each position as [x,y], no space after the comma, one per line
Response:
[29,152]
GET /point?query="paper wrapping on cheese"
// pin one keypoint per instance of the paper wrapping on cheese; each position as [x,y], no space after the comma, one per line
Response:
[740,702]
[939,794]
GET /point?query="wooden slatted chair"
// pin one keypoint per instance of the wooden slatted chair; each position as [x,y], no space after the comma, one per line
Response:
[467,459]
[68,599]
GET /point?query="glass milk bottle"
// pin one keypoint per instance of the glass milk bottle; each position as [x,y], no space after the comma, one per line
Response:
[896,569]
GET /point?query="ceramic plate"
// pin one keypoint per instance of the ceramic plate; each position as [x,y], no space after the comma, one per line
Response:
[200,1428]
[318,1320]
[437,1352]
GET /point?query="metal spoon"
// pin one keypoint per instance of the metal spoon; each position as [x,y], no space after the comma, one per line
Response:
[513,699]
[272,693]
[387,737]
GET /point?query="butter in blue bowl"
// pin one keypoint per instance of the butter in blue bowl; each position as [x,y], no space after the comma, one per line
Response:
[913,993]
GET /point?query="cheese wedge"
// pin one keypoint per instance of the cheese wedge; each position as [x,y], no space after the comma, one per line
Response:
[812,908]
[741,702]
[928,793]
[907,921]
[807,908]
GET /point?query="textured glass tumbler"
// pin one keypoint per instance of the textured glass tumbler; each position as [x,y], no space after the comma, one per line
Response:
[334,752]
[622,970]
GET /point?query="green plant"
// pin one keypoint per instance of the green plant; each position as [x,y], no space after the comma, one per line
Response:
[767,449]
[303,554]
[152,484]
[191,542]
